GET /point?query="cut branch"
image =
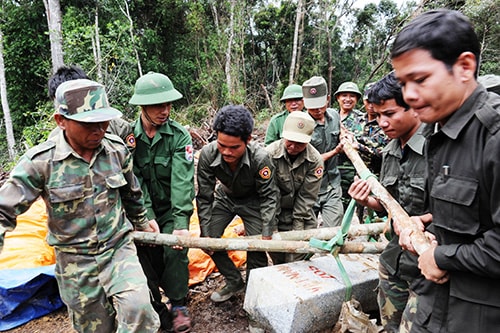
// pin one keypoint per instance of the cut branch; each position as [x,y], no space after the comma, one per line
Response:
[398,214]
[247,244]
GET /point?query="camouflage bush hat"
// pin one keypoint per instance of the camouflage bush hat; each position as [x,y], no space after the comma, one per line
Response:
[154,88]
[315,92]
[84,101]
[348,87]
[293,91]
[298,127]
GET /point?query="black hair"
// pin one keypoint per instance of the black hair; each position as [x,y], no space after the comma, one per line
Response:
[444,33]
[234,120]
[63,74]
[385,89]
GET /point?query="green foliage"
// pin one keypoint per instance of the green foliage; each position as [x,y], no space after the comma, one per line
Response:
[43,124]
[188,41]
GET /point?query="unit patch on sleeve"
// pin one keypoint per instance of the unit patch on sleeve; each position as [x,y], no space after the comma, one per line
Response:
[130,140]
[319,172]
[265,173]
[189,153]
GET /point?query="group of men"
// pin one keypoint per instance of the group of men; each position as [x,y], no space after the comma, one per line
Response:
[440,165]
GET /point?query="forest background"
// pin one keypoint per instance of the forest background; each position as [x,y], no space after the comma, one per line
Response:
[216,52]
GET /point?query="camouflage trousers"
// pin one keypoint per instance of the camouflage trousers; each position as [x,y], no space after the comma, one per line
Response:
[397,303]
[106,292]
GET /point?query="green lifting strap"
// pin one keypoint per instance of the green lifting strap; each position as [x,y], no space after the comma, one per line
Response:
[333,245]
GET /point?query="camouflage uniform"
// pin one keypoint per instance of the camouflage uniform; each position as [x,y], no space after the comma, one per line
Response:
[118,127]
[355,123]
[87,224]
[249,192]
[325,138]
[402,174]
[299,182]
[97,270]
[371,142]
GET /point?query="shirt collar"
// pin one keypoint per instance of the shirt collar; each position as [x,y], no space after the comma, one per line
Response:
[459,118]
[63,148]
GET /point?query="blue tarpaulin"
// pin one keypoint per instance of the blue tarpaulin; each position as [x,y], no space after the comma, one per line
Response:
[26,294]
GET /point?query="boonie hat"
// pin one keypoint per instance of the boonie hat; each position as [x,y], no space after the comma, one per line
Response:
[315,92]
[491,82]
[348,87]
[293,91]
[298,127]
[84,101]
[154,88]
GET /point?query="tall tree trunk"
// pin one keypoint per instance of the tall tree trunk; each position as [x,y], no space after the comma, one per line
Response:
[11,142]
[54,21]
[230,87]
[298,19]
[126,12]
[299,45]
[96,45]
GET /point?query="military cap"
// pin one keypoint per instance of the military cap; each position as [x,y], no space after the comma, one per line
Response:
[315,92]
[293,91]
[154,88]
[84,101]
[348,87]
[298,127]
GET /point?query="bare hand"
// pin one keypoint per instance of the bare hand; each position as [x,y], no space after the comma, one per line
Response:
[179,232]
[429,268]
[153,226]
[360,191]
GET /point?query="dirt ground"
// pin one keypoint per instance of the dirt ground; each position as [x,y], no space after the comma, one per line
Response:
[207,316]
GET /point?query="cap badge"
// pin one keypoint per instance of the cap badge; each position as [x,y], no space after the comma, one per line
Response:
[300,125]
[313,91]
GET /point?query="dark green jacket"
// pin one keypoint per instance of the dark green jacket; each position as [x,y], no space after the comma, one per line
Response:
[165,168]
[254,178]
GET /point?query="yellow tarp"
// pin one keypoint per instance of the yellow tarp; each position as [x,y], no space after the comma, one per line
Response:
[26,247]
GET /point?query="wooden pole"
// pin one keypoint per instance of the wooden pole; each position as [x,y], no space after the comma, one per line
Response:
[247,244]
[396,212]
[327,233]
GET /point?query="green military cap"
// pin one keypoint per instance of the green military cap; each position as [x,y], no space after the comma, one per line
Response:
[348,87]
[154,88]
[315,92]
[491,82]
[84,101]
[293,91]
[298,127]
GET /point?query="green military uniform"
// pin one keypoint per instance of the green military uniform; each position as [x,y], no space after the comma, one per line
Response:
[299,181]
[275,127]
[354,122]
[249,192]
[403,175]
[325,138]
[87,224]
[165,169]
